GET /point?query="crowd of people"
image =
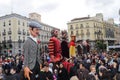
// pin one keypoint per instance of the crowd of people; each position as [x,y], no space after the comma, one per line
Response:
[92,66]
[10,67]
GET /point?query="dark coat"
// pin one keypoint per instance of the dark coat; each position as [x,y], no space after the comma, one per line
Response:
[63,75]
[65,49]
[79,50]
[49,75]
[42,75]
[82,74]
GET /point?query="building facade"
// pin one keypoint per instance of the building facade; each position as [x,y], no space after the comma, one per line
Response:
[14,31]
[93,29]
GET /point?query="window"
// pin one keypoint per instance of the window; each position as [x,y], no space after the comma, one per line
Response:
[88,34]
[94,25]
[77,26]
[71,32]
[9,37]
[9,29]
[23,24]
[18,37]
[4,33]
[82,34]
[18,22]
[81,26]
[4,30]
[19,51]
[71,27]
[87,25]
[28,33]
[19,45]
[19,32]
[9,32]
[19,40]
[9,22]
[23,39]
[4,38]
[77,34]
[81,31]
[27,24]
[24,32]
[87,30]
[4,24]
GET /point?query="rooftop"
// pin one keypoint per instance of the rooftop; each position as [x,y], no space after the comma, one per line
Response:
[80,18]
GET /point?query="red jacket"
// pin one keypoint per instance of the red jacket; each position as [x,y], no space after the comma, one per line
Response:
[54,49]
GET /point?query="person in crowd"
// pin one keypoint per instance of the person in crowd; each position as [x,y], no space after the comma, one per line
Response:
[1,73]
[104,74]
[82,72]
[84,43]
[62,73]
[42,72]
[79,48]
[88,46]
[14,73]
[73,72]
[48,74]
[92,74]
[51,67]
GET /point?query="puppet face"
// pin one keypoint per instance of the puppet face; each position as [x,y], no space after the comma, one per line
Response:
[54,33]
[73,38]
[34,32]
[64,34]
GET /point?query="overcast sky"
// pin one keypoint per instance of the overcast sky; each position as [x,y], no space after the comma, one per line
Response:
[58,12]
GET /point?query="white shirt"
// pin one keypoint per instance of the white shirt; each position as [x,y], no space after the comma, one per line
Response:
[33,38]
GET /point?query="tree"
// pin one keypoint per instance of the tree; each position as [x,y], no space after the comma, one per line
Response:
[100,45]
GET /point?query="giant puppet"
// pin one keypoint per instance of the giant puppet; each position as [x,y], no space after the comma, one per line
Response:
[64,45]
[72,52]
[54,47]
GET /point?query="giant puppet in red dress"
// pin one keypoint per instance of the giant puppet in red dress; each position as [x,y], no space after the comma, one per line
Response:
[54,47]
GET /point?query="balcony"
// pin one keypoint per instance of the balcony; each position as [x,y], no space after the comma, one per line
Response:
[82,34]
[19,41]
[4,41]
[4,33]
[23,40]
[9,32]
[19,32]
[77,34]
[88,33]
[24,33]
[28,34]
[9,41]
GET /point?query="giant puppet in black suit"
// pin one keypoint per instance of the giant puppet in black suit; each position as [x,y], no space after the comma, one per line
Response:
[64,45]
